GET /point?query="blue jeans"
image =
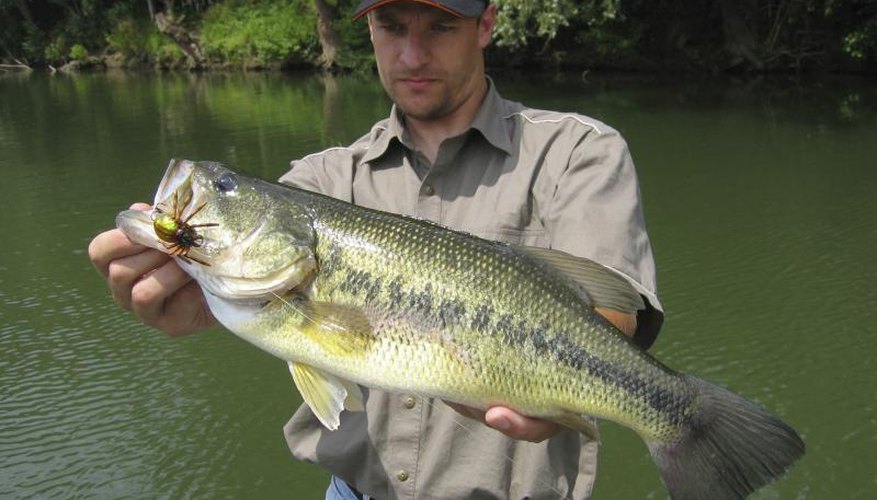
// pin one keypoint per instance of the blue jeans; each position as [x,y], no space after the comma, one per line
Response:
[338,490]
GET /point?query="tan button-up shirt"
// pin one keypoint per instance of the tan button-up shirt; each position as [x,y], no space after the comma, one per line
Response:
[520,175]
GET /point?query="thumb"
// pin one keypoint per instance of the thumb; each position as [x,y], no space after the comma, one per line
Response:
[141,206]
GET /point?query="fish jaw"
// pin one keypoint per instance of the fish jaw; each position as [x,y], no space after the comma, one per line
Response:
[138,227]
[177,175]
[237,248]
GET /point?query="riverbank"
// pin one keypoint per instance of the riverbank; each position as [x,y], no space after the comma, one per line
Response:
[722,37]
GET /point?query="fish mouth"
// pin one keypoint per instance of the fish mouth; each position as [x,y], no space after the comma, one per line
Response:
[178,175]
[175,200]
[137,226]
[223,261]
[175,194]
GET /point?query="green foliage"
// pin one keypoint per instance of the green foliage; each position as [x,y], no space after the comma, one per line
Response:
[564,32]
[699,35]
[78,53]
[356,50]
[518,21]
[85,23]
[129,37]
[266,33]
[34,42]
[860,43]
[163,52]
[137,40]
[56,50]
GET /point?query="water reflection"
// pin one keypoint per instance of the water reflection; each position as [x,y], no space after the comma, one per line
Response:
[759,197]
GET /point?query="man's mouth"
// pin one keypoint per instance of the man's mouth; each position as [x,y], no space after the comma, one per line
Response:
[417,83]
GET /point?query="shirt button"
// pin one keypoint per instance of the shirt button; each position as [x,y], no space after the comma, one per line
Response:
[429,190]
[410,402]
[402,476]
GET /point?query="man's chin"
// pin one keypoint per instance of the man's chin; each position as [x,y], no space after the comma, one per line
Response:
[421,109]
[422,115]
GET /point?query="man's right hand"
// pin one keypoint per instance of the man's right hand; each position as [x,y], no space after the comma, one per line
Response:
[150,284]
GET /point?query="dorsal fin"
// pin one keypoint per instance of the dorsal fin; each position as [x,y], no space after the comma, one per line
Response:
[603,286]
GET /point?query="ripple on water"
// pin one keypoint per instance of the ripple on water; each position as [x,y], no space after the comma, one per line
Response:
[91,400]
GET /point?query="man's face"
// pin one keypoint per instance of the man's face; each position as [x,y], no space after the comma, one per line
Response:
[429,61]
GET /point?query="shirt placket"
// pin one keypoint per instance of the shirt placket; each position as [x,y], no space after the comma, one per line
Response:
[429,203]
[408,422]
[429,199]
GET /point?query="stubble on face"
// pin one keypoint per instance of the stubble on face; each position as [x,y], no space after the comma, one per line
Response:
[424,106]
[437,78]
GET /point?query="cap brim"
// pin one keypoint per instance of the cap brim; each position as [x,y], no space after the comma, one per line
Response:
[382,3]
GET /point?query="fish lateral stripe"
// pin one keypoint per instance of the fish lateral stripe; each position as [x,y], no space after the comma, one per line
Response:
[514,332]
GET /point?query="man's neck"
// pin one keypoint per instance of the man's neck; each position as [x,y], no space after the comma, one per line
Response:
[428,135]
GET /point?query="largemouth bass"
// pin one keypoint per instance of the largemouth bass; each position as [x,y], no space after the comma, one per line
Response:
[354,297]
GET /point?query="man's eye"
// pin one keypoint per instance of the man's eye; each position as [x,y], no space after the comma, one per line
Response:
[443,28]
[392,28]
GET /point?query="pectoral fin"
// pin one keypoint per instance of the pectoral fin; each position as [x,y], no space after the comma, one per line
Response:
[338,329]
[326,394]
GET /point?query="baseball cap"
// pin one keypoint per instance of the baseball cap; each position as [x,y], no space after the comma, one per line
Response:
[459,8]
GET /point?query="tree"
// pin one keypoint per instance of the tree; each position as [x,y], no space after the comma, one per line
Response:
[327,17]
[519,21]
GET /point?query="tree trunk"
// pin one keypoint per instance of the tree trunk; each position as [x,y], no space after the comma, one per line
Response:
[151,5]
[21,5]
[740,40]
[187,41]
[329,39]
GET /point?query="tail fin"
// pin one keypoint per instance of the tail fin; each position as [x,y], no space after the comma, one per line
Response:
[732,447]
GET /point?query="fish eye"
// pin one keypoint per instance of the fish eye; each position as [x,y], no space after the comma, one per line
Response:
[226,183]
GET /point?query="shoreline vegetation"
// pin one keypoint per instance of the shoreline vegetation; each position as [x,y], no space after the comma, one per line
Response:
[710,37]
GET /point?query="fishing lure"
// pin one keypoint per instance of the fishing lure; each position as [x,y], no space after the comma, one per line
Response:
[176,234]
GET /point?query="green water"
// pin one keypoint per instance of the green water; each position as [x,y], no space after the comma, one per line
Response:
[760,199]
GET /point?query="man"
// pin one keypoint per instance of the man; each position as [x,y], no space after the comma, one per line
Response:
[455,152]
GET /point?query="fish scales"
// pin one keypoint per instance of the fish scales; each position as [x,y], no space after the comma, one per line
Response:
[431,266]
[348,296]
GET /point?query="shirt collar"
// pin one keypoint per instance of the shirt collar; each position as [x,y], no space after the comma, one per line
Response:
[489,121]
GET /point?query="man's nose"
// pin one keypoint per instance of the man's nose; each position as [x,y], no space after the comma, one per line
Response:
[415,51]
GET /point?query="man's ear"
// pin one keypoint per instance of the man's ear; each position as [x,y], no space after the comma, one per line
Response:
[486,23]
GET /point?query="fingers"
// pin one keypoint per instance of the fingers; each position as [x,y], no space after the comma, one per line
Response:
[109,246]
[159,293]
[123,273]
[182,313]
[168,299]
[149,283]
[511,423]
[113,244]
[517,426]
[141,206]
[149,294]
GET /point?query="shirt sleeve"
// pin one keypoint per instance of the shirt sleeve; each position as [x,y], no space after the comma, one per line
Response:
[328,172]
[596,212]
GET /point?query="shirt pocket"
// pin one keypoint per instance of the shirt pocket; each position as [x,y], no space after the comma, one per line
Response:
[526,236]
[522,237]
[510,219]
